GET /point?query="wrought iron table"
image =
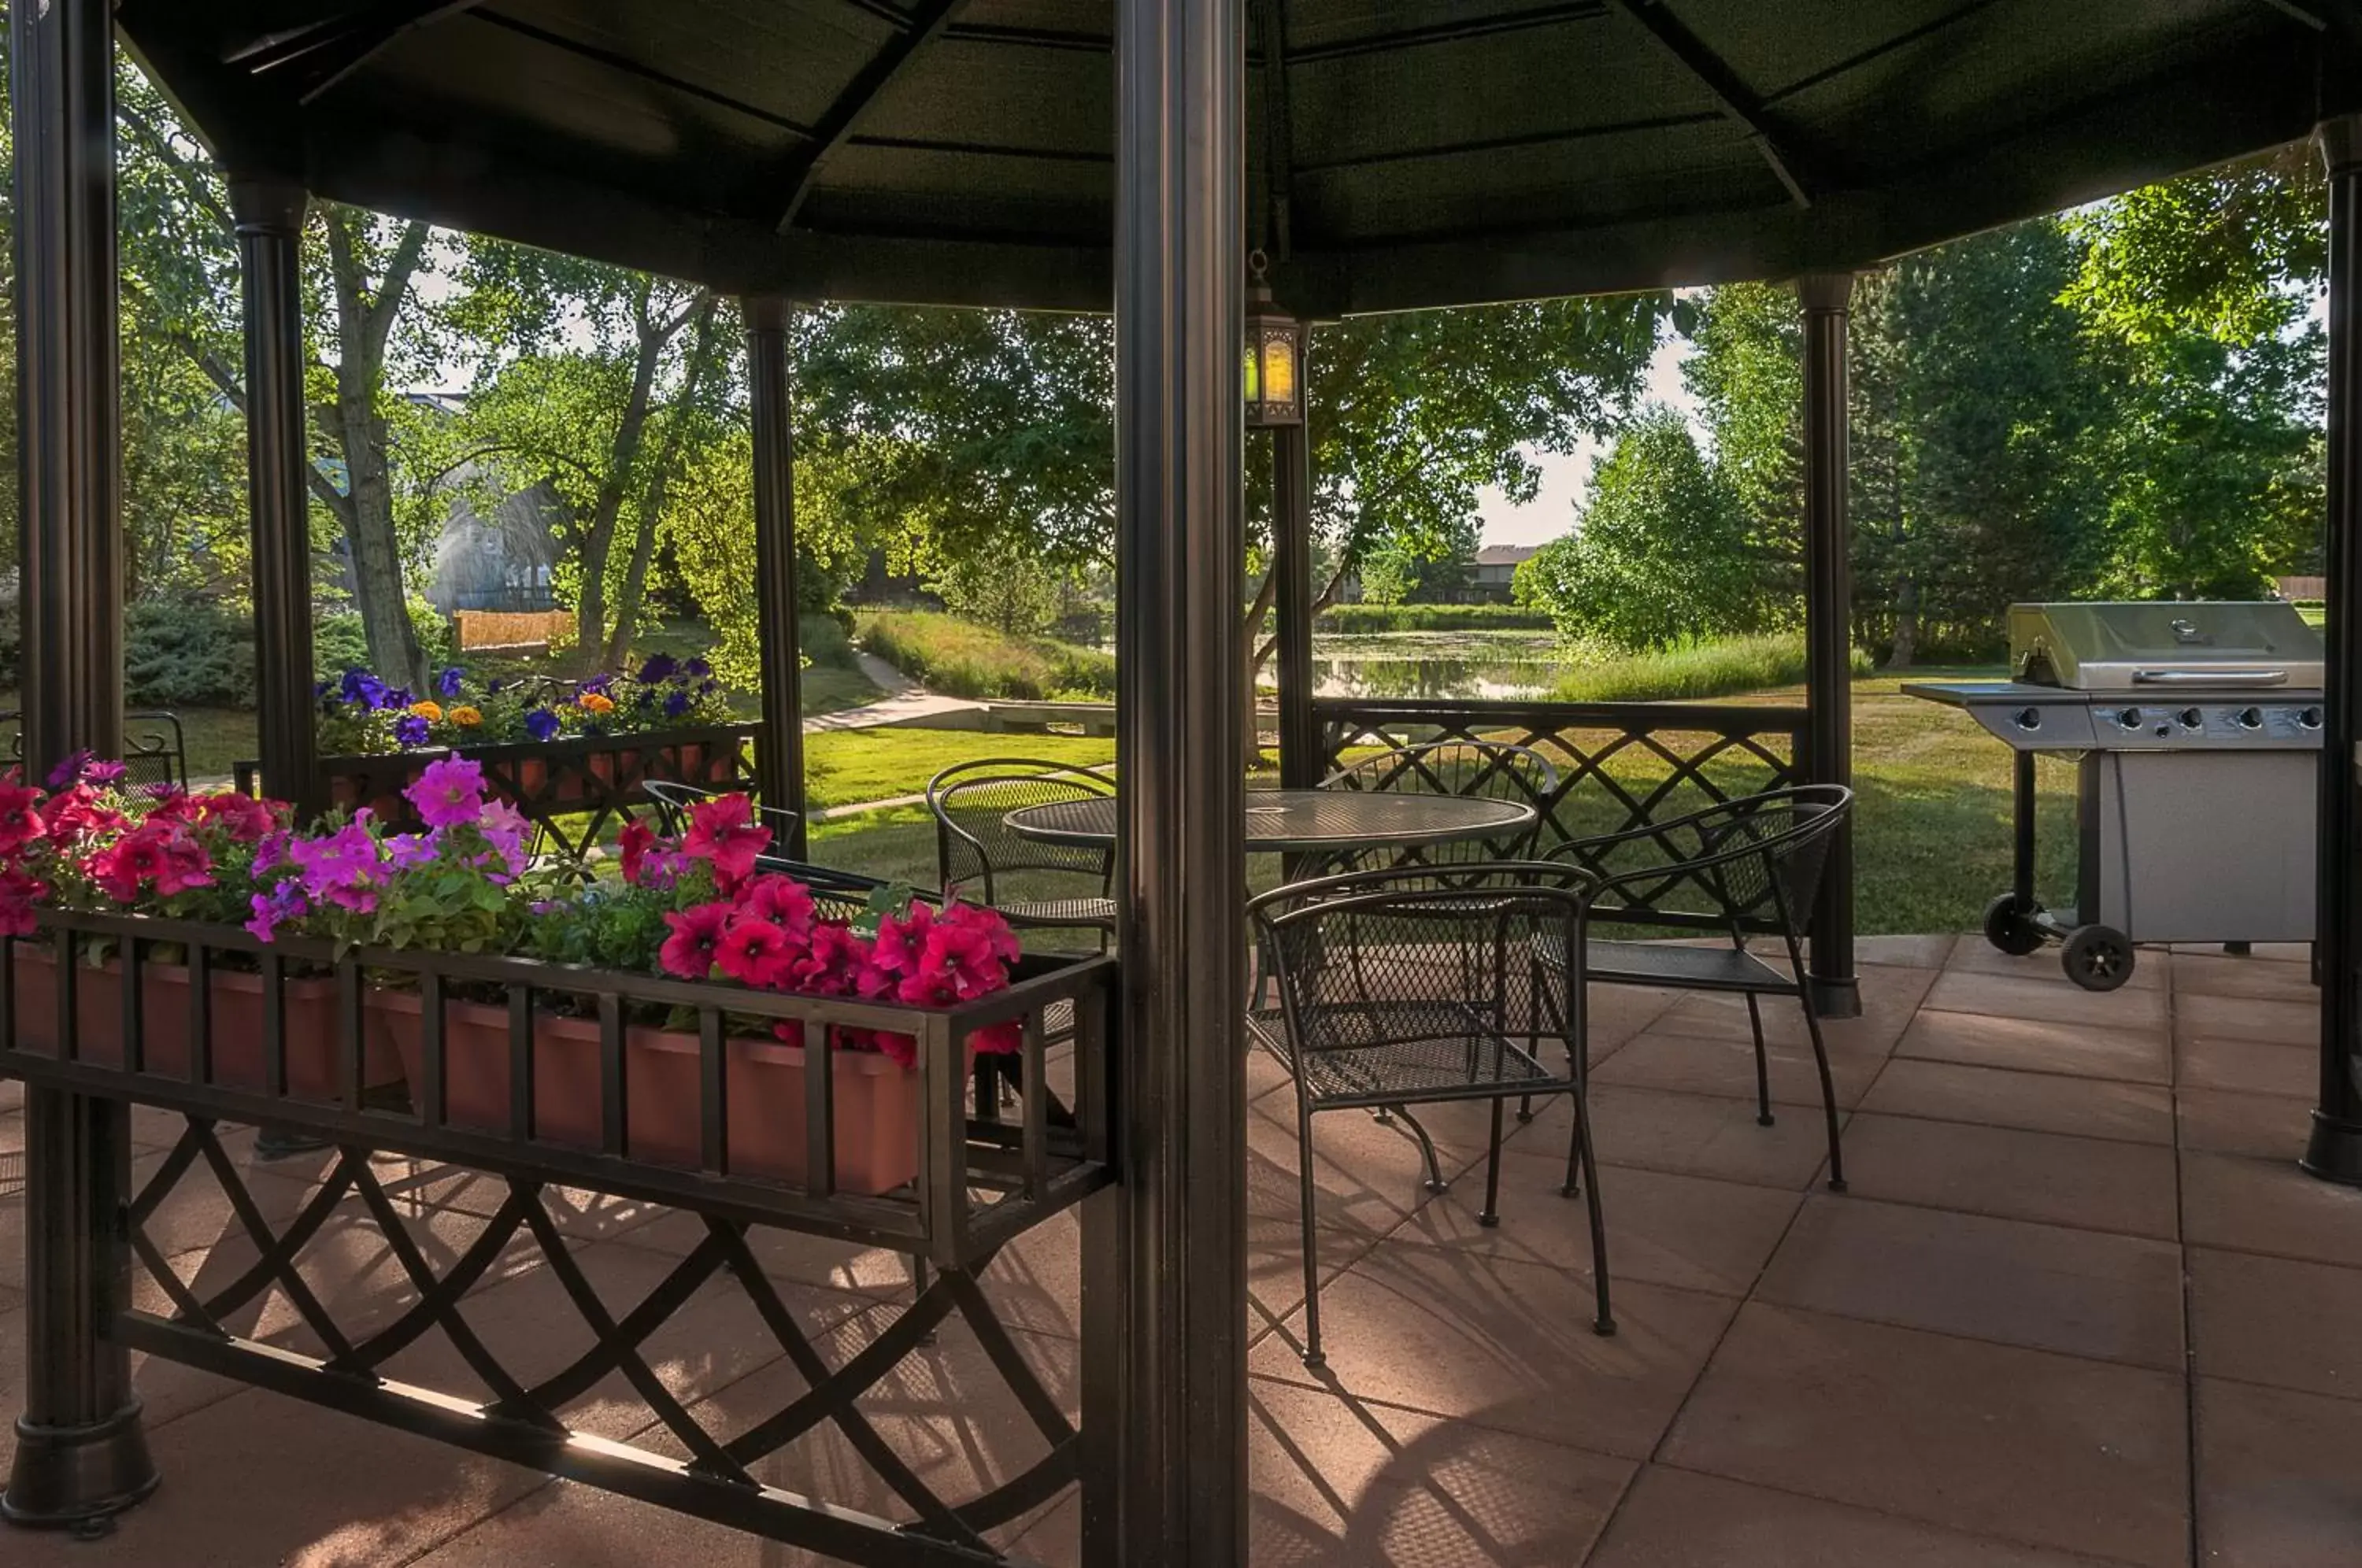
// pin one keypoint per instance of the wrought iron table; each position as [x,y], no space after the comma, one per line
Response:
[1298,821]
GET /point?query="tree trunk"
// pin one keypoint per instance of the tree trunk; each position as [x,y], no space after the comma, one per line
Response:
[597,536]
[1906,624]
[363,324]
[644,544]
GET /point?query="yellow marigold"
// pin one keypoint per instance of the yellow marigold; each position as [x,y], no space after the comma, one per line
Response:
[430,711]
[466,716]
[597,703]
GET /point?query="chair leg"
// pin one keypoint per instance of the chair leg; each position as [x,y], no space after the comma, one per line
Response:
[1491,1213]
[1604,1324]
[1435,1182]
[1762,1069]
[1312,1356]
[1829,1093]
[1525,1107]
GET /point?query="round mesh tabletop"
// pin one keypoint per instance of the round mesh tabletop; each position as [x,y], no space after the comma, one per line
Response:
[1296,821]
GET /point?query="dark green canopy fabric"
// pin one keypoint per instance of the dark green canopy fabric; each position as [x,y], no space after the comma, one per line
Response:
[1402,152]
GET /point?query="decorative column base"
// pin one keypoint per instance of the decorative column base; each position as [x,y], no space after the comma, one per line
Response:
[78,1478]
[1836,998]
[2334,1152]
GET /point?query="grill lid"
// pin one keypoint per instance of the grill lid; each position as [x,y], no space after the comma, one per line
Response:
[2156,647]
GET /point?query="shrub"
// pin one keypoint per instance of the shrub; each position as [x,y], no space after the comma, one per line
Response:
[186,650]
[339,644]
[961,658]
[1718,668]
[824,640]
[1365,619]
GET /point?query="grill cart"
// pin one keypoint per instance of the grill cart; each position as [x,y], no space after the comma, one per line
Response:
[2197,728]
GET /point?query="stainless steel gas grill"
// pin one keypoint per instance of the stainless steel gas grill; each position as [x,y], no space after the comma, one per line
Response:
[2198,727]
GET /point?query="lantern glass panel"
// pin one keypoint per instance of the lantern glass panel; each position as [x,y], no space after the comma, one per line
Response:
[1279,370]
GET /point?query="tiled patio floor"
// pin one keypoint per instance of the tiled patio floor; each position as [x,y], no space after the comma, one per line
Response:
[2078,1306]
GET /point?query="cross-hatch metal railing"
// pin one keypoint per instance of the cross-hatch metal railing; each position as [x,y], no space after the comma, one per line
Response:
[1619,765]
[153,1024]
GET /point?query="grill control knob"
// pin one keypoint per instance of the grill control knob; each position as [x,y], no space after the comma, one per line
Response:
[2193,719]
[2027,718]
[2251,718]
[2309,719]
[2130,718]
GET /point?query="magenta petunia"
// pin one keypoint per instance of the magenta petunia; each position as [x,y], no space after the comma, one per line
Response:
[755,953]
[722,833]
[449,792]
[689,952]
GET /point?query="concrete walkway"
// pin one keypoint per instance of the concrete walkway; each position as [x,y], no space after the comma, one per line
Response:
[905,702]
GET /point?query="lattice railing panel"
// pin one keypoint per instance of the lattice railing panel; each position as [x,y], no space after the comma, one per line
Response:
[901,1424]
[1620,766]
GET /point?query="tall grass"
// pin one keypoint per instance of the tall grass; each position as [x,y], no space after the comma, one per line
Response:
[1719,669]
[1363,619]
[960,659]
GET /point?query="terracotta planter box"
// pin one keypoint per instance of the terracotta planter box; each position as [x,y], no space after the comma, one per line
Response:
[877,1111]
[310,1024]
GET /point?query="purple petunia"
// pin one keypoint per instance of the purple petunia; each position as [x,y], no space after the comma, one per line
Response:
[411,730]
[362,689]
[64,775]
[405,850]
[541,723]
[695,666]
[447,685]
[283,903]
[347,857]
[676,704]
[660,666]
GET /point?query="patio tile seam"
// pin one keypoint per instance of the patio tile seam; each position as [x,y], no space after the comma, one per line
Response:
[2008,1126]
[2189,1291]
[2016,1543]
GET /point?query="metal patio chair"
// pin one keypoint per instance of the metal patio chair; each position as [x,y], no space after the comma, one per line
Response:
[159,755]
[1032,884]
[1754,860]
[1414,987]
[1489,771]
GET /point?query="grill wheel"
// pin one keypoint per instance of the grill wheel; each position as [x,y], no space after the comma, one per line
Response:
[2010,927]
[2098,957]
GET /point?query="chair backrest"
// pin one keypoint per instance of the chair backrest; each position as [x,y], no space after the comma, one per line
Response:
[1377,970]
[1753,863]
[976,847]
[154,750]
[673,800]
[837,894]
[1469,769]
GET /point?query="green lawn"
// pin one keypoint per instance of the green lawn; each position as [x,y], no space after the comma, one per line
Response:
[1932,842]
[843,768]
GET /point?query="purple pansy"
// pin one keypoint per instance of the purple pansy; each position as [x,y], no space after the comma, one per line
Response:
[541,723]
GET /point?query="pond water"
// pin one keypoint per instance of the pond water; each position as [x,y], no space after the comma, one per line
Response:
[1479,665]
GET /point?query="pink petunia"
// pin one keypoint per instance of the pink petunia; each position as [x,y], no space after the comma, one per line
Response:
[186,866]
[20,815]
[20,892]
[755,953]
[901,939]
[784,902]
[449,792]
[690,951]
[339,859]
[723,832]
[634,842]
[245,819]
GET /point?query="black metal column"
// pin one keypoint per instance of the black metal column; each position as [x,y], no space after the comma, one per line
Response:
[1301,764]
[2335,1149]
[1828,621]
[270,216]
[1175,1397]
[81,1453]
[779,759]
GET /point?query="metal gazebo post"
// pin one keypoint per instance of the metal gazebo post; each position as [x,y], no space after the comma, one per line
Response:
[779,758]
[1829,622]
[2335,1149]
[81,1456]
[270,218]
[1171,1391]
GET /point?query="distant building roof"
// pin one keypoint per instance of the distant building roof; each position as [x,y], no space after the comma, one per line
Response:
[1506,555]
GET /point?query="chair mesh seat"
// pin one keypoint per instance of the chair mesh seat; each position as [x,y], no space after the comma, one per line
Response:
[1676,964]
[1059,912]
[1458,1058]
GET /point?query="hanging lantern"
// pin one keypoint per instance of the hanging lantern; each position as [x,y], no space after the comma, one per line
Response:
[1274,356]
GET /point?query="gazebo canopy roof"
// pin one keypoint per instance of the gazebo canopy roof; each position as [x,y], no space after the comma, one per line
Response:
[1429,152]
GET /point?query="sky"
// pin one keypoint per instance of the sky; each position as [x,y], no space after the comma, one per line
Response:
[1565,478]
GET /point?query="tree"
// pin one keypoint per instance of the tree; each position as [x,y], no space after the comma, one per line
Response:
[1658,556]
[595,422]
